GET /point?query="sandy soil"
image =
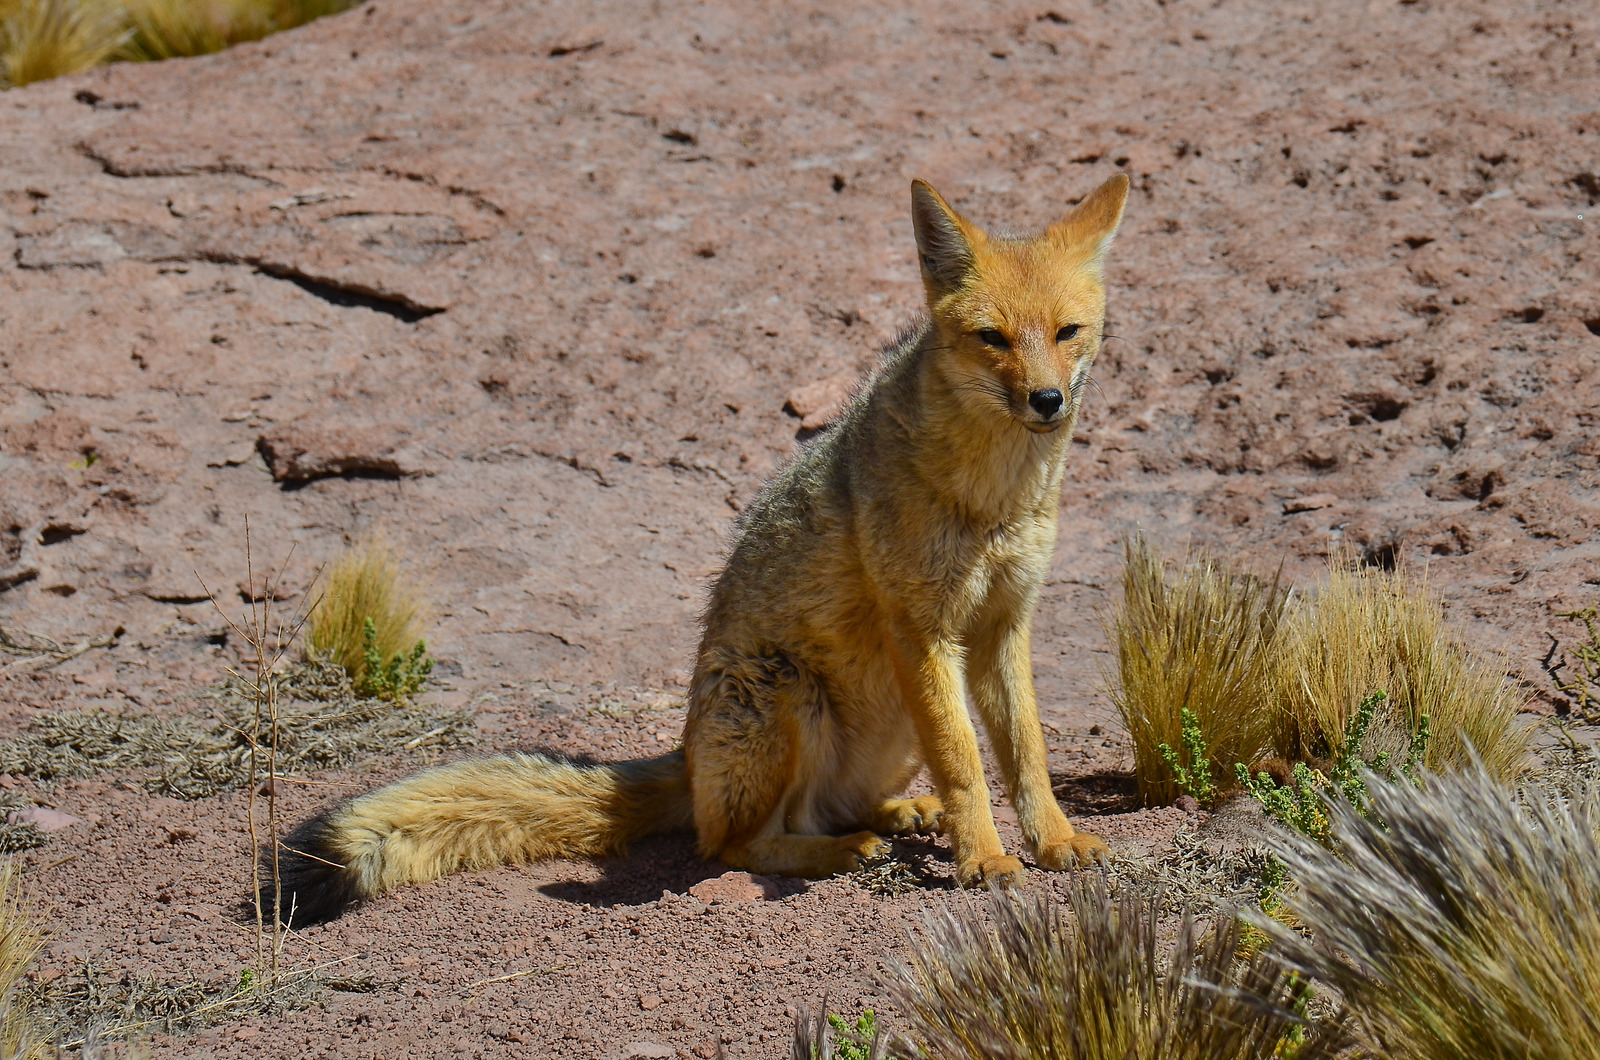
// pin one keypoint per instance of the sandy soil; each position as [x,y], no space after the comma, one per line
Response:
[548,291]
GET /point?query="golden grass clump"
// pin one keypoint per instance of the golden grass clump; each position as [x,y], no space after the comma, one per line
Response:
[20,1036]
[1033,984]
[1371,630]
[41,39]
[1456,921]
[368,583]
[1204,640]
[169,29]
[1262,675]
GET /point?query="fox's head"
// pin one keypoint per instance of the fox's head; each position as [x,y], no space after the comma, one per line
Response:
[1018,319]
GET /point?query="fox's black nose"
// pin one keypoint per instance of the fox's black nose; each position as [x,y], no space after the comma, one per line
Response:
[1046,402]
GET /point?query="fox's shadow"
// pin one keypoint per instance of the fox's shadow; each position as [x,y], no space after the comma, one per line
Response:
[652,865]
[669,863]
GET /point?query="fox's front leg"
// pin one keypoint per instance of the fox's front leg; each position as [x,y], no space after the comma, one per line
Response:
[1001,671]
[929,674]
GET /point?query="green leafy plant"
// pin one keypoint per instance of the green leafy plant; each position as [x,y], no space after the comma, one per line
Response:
[823,1035]
[1583,688]
[401,677]
[1193,780]
[854,1043]
[1301,806]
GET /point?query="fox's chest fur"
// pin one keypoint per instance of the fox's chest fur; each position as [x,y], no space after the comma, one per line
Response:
[956,562]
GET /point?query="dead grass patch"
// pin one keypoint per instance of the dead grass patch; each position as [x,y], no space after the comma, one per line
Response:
[41,39]
[1458,921]
[1101,985]
[93,1004]
[323,724]
[1265,673]
[21,1037]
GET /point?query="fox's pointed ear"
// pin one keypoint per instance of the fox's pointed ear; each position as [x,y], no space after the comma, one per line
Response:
[944,239]
[1092,223]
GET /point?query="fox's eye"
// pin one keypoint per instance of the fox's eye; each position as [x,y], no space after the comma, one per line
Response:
[991,337]
[1067,334]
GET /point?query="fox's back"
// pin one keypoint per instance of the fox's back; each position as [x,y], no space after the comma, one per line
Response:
[794,576]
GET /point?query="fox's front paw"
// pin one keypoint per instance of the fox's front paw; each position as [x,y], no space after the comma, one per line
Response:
[1081,851]
[1001,870]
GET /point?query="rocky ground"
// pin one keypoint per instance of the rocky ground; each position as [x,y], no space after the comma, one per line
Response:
[546,292]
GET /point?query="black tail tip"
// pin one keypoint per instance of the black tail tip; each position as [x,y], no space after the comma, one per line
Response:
[316,887]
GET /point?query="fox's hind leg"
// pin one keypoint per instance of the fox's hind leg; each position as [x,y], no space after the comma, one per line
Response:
[756,741]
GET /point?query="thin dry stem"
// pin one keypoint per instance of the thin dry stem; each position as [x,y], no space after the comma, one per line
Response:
[269,640]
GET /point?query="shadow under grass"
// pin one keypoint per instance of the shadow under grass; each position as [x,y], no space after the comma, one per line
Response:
[1096,794]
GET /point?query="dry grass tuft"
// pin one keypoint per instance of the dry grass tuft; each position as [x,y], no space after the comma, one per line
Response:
[1203,641]
[1034,986]
[1371,630]
[368,582]
[170,29]
[41,39]
[1261,674]
[1466,920]
[21,1038]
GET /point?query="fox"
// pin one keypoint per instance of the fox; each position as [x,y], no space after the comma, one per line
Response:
[883,578]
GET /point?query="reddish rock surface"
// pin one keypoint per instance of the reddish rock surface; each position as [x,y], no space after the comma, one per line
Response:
[564,265]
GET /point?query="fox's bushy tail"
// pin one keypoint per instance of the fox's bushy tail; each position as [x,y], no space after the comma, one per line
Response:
[476,814]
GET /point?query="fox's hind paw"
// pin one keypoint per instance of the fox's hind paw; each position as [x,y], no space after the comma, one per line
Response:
[863,849]
[919,816]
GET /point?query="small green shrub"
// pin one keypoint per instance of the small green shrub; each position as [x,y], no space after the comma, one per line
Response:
[401,677]
[1302,805]
[1193,780]
[1583,688]
[827,1036]
[854,1043]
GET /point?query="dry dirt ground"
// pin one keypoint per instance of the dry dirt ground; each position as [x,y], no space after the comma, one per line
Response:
[547,290]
